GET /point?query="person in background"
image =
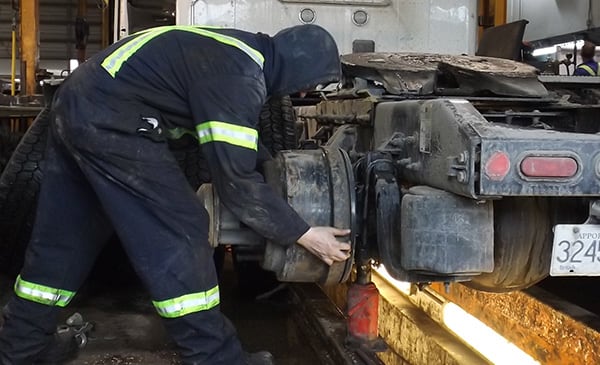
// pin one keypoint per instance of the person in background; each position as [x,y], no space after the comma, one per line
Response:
[589,67]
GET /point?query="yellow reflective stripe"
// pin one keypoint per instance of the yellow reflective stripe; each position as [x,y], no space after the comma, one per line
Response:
[113,62]
[251,52]
[590,70]
[213,131]
[42,294]
[186,304]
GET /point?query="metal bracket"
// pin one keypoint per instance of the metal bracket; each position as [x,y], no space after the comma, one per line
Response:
[77,328]
[594,217]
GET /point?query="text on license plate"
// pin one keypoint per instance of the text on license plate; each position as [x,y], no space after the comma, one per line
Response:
[576,250]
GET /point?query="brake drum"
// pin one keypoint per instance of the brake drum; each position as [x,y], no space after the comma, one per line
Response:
[319,185]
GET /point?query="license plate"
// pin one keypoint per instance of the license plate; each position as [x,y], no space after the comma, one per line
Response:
[576,250]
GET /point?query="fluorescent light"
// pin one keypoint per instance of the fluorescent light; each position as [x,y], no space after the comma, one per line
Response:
[571,45]
[556,47]
[543,51]
[73,64]
[483,339]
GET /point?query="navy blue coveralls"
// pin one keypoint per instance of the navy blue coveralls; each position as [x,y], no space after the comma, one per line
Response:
[108,166]
[589,68]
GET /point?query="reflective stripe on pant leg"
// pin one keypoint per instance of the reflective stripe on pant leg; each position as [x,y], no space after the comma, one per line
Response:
[42,294]
[189,303]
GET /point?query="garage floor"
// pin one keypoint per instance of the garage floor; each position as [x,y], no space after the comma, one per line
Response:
[128,331]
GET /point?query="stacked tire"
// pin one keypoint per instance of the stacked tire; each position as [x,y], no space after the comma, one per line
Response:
[19,187]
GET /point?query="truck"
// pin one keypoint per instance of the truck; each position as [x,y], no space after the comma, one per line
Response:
[446,167]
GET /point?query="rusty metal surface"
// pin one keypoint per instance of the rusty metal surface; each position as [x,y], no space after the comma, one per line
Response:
[324,327]
[410,332]
[547,328]
[430,62]
[439,74]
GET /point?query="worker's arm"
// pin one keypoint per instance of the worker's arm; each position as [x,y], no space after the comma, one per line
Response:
[226,119]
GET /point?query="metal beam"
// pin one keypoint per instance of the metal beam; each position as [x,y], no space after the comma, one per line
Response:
[490,13]
[30,43]
[499,12]
[81,44]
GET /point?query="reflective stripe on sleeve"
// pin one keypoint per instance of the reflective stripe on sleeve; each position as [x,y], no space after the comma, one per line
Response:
[42,294]
[213,131]
[113,62]
[186,304]
[590,70]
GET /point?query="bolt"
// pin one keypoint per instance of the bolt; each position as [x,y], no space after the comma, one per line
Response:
[575,229]
[462,157]
[461,176]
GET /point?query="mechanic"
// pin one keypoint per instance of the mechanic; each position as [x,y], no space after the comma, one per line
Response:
[588,67]
[108,166]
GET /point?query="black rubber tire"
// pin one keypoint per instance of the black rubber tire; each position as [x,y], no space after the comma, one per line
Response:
[19,188]
[187,152]
[522,245]
[8,143]
[277,125]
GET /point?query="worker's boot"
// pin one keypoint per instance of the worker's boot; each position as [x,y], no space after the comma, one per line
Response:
[259,358]
[63,347]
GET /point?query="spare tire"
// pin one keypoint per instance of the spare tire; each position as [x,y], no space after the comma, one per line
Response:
[522,245]
[19,187]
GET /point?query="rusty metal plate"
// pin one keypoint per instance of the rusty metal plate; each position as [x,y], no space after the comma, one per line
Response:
[438,74]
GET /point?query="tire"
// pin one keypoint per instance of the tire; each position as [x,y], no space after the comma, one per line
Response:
[8,143]
[277,125]
[19,188]
[277,132]
[187,153]
[522,245]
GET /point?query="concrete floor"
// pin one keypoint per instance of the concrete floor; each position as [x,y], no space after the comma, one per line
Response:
[128,331]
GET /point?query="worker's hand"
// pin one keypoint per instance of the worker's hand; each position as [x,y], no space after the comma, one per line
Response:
[322,242]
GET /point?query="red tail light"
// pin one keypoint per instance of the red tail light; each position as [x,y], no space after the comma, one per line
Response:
[549,167]
[497,166]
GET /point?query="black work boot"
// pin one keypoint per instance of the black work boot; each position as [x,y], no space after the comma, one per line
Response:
[63,347]
[259,358]
[66,342]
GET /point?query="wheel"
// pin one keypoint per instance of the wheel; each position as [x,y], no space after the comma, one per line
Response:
[19,188]
[522,245]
